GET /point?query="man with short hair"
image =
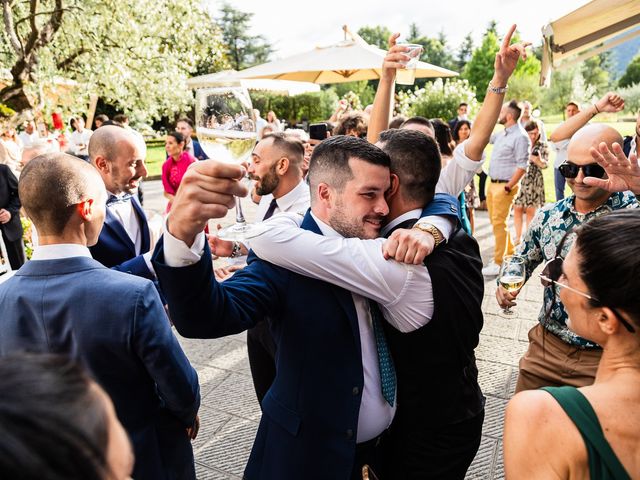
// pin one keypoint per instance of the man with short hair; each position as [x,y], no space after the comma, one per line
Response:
[576,119]
[463,110]
[184,125]
[421,124]
[508,164]
[63,301]
[557,356]
[29,135]
[124,242]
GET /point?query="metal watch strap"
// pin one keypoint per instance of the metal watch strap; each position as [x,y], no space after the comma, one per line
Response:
[497,90]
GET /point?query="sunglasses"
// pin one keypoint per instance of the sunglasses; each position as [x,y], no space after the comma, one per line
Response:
[552,271]
[571,170]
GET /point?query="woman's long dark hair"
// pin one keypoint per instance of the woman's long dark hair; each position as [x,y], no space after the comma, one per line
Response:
[443,136]
[456,129]
[609,260]
[53,424]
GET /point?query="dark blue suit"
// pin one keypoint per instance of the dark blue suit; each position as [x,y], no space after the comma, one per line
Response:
[310,414]
[197,150]
[116,250]
[116,326]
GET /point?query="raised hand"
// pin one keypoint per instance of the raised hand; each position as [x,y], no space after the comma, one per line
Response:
[508,56]
[623,173]
[610,102]
[395,57]
[408,246]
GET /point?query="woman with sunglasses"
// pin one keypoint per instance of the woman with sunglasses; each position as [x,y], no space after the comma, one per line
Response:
[593,431]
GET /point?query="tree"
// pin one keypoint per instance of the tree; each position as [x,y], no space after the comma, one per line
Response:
[464,52]
[243,50]
[479,70]
[434,50]
[135,54]
[632,74]
[378,36]
[595,71]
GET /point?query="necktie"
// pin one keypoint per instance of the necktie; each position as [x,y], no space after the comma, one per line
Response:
[272,208]
[113,200]
[387,370]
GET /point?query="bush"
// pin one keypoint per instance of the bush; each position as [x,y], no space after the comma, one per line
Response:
[437,99]
[631,97]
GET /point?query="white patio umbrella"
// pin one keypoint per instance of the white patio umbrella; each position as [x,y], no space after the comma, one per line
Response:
[347,61]
[282,87]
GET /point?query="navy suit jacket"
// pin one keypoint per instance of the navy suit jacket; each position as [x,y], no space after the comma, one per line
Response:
[197,150]
[310,414]
[115,325]
[12,230]
[116,250]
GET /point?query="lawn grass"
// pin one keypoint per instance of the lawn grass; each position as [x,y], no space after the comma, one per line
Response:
[156,155]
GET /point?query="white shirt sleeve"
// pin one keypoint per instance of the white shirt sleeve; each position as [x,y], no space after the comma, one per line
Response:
[458,172]
[176,252]
[403,291]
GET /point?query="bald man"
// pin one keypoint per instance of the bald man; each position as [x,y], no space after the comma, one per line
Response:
[562,357]
[124,242]
[63,301]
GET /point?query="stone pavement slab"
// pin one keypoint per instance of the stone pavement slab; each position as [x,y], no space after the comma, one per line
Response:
[230,412]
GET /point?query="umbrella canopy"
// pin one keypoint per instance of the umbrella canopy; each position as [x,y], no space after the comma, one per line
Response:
[282,87]
[351,60]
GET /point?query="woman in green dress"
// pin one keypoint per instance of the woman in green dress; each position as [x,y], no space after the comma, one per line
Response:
[590,432]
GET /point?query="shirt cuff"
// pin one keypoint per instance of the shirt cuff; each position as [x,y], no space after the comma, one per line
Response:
[176,252]
[465,162]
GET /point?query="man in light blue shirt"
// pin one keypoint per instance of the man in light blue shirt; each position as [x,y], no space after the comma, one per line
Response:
[508,164]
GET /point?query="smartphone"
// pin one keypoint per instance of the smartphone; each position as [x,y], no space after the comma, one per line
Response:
[318,131]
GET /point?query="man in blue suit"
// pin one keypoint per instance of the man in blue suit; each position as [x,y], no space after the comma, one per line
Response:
[63,301]
[333,396]
[124,242]
[184,125]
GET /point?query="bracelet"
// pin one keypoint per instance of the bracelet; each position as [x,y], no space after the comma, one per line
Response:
[236,251]
[597,111]
[497,90]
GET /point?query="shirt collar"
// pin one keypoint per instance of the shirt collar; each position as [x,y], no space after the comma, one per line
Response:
[410,215]
[568,204]
[60,250]
[326,230]
[286,201]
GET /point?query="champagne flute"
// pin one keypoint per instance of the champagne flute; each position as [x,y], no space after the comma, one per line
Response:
[512,275]
[226,130]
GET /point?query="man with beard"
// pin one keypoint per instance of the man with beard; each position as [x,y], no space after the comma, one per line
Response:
[276,167]
[124,241]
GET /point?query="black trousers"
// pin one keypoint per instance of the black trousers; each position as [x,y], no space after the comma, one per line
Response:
[415,451]
[15,252]
[482,186]
[262,358]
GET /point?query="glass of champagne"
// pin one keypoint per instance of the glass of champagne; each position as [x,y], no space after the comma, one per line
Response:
[512,275]
[226,130]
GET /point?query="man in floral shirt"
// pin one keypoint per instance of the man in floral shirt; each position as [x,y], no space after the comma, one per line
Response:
[562,357]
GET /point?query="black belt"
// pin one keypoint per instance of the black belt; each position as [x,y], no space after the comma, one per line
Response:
[499,181]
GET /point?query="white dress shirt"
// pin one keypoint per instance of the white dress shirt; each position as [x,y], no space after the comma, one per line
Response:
[296,201]
[129,220]
[28,140]
[60,250]
[80,141]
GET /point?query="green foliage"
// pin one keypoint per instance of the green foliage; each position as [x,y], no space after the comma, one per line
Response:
[632,74]
[377,35]
[315,107]
[464,52]
[243,50]
[134,54]
[362,89]
[631,97]
[479,69]
[525,87]
[6,112]
[435,50]
[437,99]
[595,72]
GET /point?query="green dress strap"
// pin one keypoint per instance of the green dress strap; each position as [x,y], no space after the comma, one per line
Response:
[603,462]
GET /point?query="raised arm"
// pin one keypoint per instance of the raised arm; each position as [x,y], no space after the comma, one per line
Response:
[610,102]
[383,101]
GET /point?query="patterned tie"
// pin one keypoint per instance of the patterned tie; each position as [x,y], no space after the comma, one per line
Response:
[387,370]
[113,200]
[272,208]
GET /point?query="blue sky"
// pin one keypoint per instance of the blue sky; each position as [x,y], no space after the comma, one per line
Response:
[295,26]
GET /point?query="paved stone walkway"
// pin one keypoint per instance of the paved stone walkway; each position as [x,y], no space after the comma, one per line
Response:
[230,411]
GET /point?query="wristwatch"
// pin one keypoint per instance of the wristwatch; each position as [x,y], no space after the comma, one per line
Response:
[497,90]
[236,251]
[429,228]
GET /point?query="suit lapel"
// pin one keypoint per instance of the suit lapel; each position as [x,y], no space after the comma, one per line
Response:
[111,222]
[343,296]
[144,226]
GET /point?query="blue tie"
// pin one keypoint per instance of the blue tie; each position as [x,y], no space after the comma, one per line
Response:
[113,200]
[385,362]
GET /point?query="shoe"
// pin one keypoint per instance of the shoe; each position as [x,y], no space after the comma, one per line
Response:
[491,270]
[483,205]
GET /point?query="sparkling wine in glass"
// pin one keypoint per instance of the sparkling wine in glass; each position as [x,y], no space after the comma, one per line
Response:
[512,275]
[226,130]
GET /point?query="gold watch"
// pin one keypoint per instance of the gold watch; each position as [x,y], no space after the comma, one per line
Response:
[429,228]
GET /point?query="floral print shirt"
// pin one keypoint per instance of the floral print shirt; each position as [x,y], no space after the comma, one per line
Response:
[539,246]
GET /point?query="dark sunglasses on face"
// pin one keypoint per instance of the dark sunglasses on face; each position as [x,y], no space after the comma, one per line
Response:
[570,170]
[552,271]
